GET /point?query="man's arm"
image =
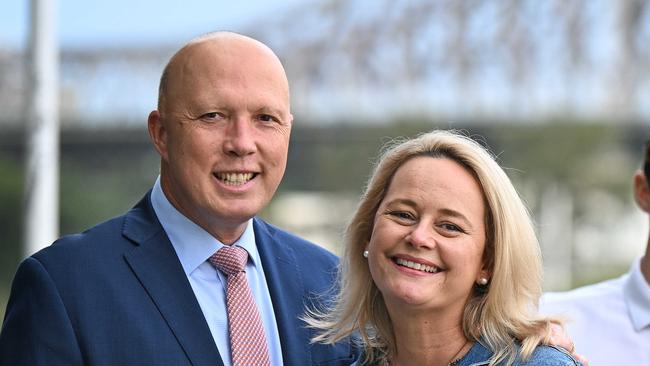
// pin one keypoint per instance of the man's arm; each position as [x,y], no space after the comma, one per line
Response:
[36,328]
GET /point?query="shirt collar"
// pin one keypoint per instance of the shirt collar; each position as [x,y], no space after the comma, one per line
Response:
[194,245]
[636,292]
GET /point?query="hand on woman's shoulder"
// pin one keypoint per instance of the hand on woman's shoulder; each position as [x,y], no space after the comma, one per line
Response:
[551,356]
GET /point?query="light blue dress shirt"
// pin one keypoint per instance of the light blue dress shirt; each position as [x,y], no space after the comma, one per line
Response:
[194,246]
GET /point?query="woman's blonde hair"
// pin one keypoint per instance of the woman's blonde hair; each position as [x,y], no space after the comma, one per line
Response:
[503,311]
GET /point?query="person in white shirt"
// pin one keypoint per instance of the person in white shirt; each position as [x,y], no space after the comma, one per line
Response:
[609,321]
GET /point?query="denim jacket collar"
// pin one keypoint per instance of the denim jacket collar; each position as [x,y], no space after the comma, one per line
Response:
[477,355]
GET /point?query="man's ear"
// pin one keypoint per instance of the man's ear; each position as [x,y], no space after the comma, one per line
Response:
[641,191]
[158,133]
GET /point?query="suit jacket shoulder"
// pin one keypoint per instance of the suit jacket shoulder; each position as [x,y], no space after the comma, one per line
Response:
[115,294]
[299,275]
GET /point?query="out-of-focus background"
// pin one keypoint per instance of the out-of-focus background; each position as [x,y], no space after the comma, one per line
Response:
[557,89]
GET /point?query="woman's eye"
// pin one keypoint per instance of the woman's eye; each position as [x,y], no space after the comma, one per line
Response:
[402,215]
[451,227]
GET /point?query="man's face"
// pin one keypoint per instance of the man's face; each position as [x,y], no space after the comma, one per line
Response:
[223,134]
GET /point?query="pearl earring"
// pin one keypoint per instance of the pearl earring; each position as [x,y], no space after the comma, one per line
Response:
[365,254]
[482,281]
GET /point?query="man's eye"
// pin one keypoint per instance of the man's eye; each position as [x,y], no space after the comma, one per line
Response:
[210,115]
[267,118]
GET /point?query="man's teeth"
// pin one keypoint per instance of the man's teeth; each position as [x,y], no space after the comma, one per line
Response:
[235,179]
[417,266]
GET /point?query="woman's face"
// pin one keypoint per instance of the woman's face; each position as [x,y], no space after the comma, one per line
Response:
[426,248]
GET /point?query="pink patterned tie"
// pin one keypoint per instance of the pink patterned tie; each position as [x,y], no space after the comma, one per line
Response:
[247,339]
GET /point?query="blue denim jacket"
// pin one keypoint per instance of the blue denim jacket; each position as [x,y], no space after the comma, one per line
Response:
[479,355]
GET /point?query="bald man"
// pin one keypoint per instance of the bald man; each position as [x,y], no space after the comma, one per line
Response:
[141,289]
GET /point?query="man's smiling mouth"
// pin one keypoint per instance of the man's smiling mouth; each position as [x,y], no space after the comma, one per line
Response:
[235,179]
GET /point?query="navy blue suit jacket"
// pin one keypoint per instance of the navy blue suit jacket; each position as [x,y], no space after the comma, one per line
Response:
[117,295]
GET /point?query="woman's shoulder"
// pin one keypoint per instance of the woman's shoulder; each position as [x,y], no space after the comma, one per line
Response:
[541,356]
[550,356]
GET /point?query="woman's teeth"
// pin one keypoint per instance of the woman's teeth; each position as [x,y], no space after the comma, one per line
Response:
[416,266]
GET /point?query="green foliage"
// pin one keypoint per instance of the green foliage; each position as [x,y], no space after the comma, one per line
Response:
[104,173]
[581,155]
[101,185]
[4,297]
[590,274]
[10,224]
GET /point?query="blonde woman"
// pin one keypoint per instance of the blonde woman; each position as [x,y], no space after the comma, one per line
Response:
[441,264]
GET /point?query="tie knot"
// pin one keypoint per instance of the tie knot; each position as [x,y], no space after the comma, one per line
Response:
[230,259]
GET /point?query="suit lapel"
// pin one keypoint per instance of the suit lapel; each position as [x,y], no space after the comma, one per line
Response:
[155,264]
[283,278]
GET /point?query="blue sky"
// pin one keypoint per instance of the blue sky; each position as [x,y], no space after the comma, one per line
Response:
[99,23]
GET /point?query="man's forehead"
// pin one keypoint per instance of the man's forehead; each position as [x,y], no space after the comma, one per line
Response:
[205,63]
[227,56]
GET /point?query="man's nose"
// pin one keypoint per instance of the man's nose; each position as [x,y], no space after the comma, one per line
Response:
[240,137]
